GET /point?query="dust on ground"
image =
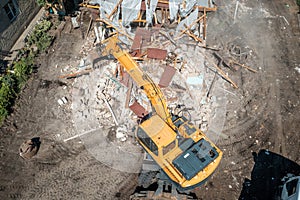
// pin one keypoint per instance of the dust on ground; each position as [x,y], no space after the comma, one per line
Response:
[262,114]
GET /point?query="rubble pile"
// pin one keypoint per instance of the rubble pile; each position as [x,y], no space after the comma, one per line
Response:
[104,96]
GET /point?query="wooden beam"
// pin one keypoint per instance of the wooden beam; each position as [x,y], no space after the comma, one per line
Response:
[88,6]
[128,94]
[204,24]
[192,35]
[114,10]
[221,72]
[201,8]
[74,75]
[190,26]
[89,27]
[117,29]
[242,65]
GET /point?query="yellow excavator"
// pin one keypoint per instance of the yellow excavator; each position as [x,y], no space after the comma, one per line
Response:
[183,152]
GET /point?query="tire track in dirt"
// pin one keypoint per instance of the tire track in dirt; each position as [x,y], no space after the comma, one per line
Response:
[255,115]
[275,91]
[59,170]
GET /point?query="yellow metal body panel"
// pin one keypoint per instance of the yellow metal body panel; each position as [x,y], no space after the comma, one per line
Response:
[158,131]
[165,160]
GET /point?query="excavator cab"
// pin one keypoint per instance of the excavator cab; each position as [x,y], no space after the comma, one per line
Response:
[184,153]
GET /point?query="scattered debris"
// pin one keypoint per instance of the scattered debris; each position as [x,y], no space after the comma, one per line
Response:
[75,22]
[221,72]
[62,101]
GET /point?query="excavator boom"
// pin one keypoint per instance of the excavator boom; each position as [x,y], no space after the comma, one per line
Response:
[143,81]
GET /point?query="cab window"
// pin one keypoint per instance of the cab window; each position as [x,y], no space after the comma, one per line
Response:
[292,187]
[147,141]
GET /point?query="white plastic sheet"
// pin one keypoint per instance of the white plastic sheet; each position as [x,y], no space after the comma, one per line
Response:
[174,7]
[150,8]
[130,10]
[106,7]
[187,21]
[205,3]
[185,10]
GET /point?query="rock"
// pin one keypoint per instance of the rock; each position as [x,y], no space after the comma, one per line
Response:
[29,148]
[107,115]
[203,127]
[121,133]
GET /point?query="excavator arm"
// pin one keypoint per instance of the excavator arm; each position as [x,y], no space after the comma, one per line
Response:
[183,152]
[143,81]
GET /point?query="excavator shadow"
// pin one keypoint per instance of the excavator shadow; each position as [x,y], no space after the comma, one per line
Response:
[266,176]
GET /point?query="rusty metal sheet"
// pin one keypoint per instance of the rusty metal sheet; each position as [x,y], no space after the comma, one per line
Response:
[162,5]
[138,109]
[143,6]
[140,35]
[137,43]
[125,79]
[167,76]
[156,53]
[136,53]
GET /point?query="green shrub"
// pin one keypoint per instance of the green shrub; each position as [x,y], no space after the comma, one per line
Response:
[11,83]
[40,37]
[23,68]
[41,2]
[7,94]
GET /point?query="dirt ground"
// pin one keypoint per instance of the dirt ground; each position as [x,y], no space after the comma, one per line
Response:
[263,113]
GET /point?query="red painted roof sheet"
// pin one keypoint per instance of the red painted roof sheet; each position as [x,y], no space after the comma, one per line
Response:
[167,76]
[156,53]
[138,109]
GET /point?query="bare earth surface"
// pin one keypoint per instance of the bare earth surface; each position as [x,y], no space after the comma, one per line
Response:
[263,113]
